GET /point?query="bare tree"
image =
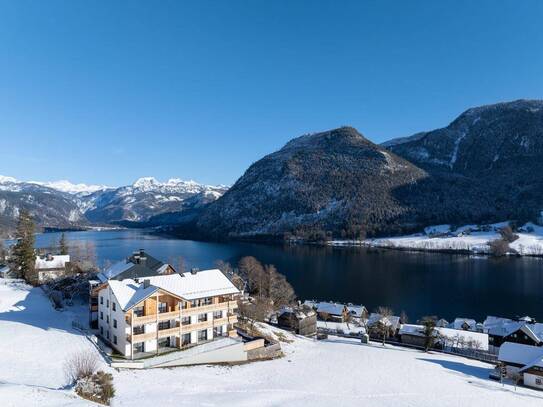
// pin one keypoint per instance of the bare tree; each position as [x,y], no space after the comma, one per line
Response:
[79,365]
[252,271]
[280,292]
[256,310]
[383,325]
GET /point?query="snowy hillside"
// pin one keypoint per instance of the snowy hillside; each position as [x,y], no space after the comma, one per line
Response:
[35,340]
[468,238]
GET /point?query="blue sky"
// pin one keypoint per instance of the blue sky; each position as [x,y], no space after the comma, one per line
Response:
[108,91]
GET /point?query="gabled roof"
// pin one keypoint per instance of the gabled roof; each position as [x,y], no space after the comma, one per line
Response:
[519,354]
[392,321]
[356,310]
[140,264]
[52,262]
[189,286]
[534,331]
[331,308]
[471,323]
[505,329]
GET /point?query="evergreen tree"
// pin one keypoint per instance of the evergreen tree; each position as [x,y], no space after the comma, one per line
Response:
[63,244]
[24,255]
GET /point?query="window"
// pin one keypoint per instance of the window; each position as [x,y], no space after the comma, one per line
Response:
[102,330]
[115,339]
[207,301]
[114,306]
[107,304]
[101,300]
[107,334]
[138,311]
[138,330]
[107,319]
[185,340]
[202,317]
[217,315]
[101,315]
[193,303]
[185,304]
[202,335]
[217,331]
[114,323]
[163,325]
[162,307]
[163,342]
[538,381]
[185,321]
[138,347]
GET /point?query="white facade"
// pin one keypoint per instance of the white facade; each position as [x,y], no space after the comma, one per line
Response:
[130,333]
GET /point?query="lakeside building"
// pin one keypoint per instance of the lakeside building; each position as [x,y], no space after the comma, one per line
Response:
[49,266]
[139,265]
[522,330]
[523,361]
[154,314]
[302,320]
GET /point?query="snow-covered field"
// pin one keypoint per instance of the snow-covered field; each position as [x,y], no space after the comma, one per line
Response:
[467,238]
[342,372]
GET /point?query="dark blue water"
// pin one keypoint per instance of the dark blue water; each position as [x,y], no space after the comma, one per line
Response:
[418,283]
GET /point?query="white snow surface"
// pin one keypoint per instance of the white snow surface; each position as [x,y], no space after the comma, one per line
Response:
[342,372]
[472,238]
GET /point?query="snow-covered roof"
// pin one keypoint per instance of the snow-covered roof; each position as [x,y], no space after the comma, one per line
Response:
[492,322]
[299,312]
[505,329]
[52,262]
[356,310]
[534,331]
[189,286]
[459,322]
[117,269]
[410,329]
[393,321]
[331,308]
[517,353]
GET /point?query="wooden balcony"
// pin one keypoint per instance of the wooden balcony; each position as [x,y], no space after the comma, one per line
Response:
[209,308]
[146,319]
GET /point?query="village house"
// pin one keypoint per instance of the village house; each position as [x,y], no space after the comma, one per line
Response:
[139,265]
[357,311]
[49,267]
[445,338]
[301,320]
[153,314]
[331,311]
[375,319]
[523,361]
[465,324]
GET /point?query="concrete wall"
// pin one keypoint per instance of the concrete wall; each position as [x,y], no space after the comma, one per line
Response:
[228,354]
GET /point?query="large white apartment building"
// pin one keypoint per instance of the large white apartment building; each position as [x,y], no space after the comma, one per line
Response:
[164,312]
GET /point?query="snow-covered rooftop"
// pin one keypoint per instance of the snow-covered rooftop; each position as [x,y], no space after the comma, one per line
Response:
[511,352]
[52,262]
[189,286]
[331,308]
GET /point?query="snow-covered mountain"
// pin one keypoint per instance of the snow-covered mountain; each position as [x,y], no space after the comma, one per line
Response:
[62,204]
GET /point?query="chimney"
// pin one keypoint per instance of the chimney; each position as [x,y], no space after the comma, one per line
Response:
[146,283]
[194,270]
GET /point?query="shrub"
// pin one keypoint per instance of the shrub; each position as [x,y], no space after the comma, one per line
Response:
[97,387]
[508,235]
[499,248]
[80,365]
